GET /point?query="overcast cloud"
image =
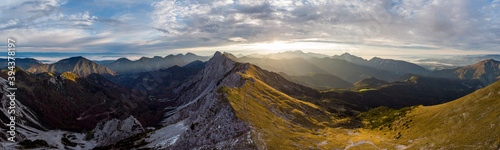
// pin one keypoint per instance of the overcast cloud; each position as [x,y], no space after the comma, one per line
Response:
[162,27]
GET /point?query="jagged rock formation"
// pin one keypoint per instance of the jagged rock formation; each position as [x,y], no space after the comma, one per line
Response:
[114,130]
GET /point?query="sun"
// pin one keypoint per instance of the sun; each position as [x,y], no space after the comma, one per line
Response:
[276,46]
[282,46]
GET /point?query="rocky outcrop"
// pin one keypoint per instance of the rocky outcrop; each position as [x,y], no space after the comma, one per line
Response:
[114,130]
[207,118]
[26,121]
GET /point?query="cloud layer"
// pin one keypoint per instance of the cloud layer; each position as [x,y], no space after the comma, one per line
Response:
[170,26]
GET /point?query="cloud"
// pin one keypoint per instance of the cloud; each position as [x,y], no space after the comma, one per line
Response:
[458,24]
[173,25]
[49,26]
[237,39]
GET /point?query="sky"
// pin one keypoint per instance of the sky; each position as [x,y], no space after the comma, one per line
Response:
[105,29]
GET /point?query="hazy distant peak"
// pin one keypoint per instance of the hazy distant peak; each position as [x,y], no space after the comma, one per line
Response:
[123,59]
[73,59]
[295,52]
[190,54]
[349,55]
[346,54]
[31,59]
[351,58]
[77,57]
[289,55]
[489,61]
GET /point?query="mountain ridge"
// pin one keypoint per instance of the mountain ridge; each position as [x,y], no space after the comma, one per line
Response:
[144,64]
[486,71]
[79,65]
[398,66]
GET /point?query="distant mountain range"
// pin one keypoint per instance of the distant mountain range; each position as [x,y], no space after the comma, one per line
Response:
[346,66]
[397,66]
[416,90]
[144,64]
[319,81]
[292,66]
[486,71]
[296,64]
[159,83]
[459,60]
[83,67]
[330,72]
[77,65]
[289,55]
[24,63]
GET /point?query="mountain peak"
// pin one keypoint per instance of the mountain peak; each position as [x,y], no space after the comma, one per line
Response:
[349,55]
[73,60]
[351,58]
[346,54]
[295,52]
[217,53]
[77,58]
[489,61]
[123,59]
[190,54]
[486,71]
[78,65]
[486,63]
[223,56]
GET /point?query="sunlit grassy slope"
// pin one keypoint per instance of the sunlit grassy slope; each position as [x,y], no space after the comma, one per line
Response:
[70,76]
[279,121]
[282,122]
[471,122]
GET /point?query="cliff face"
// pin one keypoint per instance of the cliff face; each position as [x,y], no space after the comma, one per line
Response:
[205,116]
[114,130]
